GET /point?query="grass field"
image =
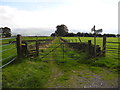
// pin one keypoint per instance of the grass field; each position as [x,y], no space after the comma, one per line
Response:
[111,59]
[61,69]
[99,40]
[111,56]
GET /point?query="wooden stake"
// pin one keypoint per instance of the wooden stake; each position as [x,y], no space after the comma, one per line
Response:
[89,46]
[37,48]
[19,46]
[104,45]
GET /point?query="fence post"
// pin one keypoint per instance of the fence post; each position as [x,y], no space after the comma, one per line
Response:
[19,46]
[89,46]
[26,48]
[37,48]
[104,45]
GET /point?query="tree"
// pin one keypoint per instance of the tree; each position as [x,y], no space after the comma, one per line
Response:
[53,35]
[6,32]
[61,30]
[118,35]
[86,34]
[79,34]
[99,35]
[70,35]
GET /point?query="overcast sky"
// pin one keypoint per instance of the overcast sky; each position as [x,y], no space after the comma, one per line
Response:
[38,17]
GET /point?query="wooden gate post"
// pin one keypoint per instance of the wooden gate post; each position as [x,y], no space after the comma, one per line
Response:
[104,45]
[89,46]
[26,44]
[37,48]
[19,46]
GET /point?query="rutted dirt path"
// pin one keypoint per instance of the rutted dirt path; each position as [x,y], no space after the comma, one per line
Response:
[78,79]
[91,80]
[55,73]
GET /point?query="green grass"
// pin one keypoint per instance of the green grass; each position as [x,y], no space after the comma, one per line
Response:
[11,52]
[6,40]
[63,71]
[99,40]
[25,74]
[0,54]
[35,38]
[110,61]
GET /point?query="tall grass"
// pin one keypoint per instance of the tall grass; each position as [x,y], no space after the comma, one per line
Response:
[26,74]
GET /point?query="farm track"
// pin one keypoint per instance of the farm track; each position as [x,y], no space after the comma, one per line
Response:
[77,78]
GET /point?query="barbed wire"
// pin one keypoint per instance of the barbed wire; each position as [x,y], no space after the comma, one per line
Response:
[8,57]
[8,63]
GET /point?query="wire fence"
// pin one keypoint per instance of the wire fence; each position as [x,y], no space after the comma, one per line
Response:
[7,38]
[8,57]
[8,51]
[6,44]
[7,63]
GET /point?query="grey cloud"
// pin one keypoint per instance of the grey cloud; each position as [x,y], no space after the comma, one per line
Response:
[33,31]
